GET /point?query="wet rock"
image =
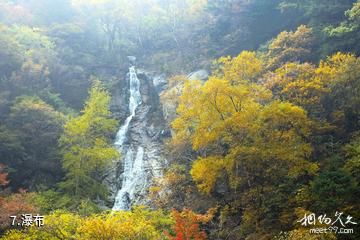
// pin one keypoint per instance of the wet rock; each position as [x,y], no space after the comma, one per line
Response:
[160,82]
[201,74]
[145,132]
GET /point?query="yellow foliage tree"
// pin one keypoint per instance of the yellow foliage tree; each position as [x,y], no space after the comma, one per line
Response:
[242,136]
[246,66]
[289,47]
[138,224]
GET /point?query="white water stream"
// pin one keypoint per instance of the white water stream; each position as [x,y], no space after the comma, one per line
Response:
[132,162]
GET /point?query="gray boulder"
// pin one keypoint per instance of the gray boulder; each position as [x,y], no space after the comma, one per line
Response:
[201,74]
[132,59]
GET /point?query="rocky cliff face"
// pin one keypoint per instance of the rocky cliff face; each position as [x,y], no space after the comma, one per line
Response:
[146,131]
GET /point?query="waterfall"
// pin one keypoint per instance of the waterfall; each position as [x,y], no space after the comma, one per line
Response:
[132,163]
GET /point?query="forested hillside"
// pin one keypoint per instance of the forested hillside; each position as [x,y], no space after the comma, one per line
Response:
[211,119]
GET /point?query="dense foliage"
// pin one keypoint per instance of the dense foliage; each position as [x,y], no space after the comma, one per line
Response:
[86,146]
[273,134]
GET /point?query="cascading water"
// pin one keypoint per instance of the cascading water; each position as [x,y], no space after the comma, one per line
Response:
[133,167]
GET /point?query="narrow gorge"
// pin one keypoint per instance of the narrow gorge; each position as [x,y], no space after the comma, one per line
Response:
[138,140]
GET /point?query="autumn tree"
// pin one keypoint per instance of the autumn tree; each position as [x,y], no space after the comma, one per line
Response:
[187,225]
[244,139]
[244,67]
[86,146]
[289,47]
[138,224]
[341,72]
[63,226]
[12,204]
[3,176]
[303,84]
[15,204]
[328,91]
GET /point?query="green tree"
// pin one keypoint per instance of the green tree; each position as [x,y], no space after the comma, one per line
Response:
[10,54]
[350,25]
[333,188]
[35,129]
[352,167]
[86,146]
[322,16]
[352,150]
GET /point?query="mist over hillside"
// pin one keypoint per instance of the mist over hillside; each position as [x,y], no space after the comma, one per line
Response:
[186,120]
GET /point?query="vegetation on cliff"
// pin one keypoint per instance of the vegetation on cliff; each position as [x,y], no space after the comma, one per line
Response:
[271,136]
